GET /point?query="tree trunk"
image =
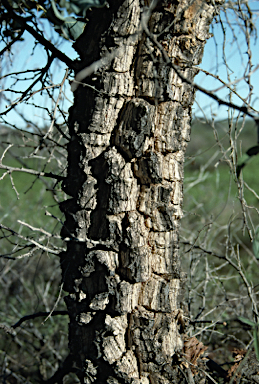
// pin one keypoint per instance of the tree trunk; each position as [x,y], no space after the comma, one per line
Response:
[129,131]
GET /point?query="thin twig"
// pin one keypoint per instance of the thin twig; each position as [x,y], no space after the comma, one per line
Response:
[243,109]
[47,44]
[35,243]
[32,172]
[56,303]
[38,314]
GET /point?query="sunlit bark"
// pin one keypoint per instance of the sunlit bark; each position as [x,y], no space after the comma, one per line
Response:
[125,177]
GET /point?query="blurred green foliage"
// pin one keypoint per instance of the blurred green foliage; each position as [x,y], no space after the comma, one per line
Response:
[33,283]
[216,246]
[212,221]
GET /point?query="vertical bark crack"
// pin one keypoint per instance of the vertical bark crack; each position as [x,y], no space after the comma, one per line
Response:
[125,177]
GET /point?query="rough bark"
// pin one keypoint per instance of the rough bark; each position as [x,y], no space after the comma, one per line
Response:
[129,133]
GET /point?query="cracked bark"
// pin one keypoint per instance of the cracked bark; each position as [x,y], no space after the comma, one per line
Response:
[125,178]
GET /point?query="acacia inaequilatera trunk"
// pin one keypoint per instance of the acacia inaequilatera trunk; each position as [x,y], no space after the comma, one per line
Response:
[129,128]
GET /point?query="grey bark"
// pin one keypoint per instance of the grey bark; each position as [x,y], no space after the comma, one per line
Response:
[129,133]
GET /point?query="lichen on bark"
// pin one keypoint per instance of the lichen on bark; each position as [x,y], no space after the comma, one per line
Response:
[129,132]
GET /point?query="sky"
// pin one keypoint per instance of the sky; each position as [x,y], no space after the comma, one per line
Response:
[236,57]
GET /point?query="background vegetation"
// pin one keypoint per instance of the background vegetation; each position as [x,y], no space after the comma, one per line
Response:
[220,210]
[30,278]
[216,250]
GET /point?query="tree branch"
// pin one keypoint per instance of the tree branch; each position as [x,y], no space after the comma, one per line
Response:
[38,314]
[176,68]
[35,243]
[25,93]
[32,172]
[47,44]
[8,46]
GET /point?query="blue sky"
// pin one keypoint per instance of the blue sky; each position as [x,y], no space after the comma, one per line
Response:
[22,59]
[236,58]
[212,61]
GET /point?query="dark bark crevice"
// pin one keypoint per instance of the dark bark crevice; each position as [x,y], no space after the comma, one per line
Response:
[125,175]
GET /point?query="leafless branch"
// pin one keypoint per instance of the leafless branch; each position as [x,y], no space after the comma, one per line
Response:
[29,240]
[31,172]
[47,44]
[36,315]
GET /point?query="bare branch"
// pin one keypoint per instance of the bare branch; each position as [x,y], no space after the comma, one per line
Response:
[43,71]
[220,101]
[32,172]
[35,243]
[38,314]
[47,44]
